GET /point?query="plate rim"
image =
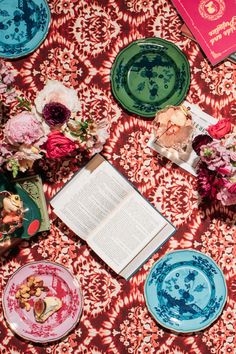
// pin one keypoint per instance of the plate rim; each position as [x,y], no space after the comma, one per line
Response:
[218,313]
[16,56]
[142,40]
[78,286]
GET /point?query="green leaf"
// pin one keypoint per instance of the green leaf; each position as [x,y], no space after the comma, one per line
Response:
[24,103]
[75,134]
[14,167]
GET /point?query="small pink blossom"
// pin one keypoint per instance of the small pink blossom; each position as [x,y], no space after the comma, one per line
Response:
[8,79]
[3,88]
[215,156]
[225,171]
[226,197]
[10,96]
[232,188]
[233,155]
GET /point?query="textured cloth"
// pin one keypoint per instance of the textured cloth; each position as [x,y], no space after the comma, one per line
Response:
[84,38]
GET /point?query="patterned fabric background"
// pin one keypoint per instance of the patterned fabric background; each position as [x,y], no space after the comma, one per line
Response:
[84,39]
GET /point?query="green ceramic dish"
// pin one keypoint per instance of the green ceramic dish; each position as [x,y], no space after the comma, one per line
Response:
[150,74]
[32,215]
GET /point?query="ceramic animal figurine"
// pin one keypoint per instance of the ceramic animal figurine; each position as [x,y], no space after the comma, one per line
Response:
[11,215]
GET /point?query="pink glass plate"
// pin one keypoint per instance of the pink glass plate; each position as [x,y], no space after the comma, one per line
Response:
[62,284]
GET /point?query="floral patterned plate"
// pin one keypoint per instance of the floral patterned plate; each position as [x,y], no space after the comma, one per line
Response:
[185,291]
[62,284]
[150,74]
[23,26]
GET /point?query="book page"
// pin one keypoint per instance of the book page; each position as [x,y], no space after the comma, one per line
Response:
[91,195]
[126,232]
[188,160]
[147,251]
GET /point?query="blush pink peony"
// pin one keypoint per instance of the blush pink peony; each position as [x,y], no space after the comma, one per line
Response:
[23,128]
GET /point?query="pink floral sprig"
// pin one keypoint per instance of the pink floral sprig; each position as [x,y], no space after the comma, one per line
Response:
[7,92]
[217,170]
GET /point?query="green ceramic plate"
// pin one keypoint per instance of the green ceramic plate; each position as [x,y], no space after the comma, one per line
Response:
[32,215]
[150,74]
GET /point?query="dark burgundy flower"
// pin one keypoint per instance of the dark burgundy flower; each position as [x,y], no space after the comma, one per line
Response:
[56,113]
[199,140]
[208,183]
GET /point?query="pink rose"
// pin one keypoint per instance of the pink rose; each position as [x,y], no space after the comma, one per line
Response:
[58,145]
[220,129]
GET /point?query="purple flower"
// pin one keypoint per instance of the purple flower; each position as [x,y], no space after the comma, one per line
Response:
[200,140]
[56,113]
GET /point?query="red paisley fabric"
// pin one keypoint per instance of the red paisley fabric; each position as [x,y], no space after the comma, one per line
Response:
[84,38]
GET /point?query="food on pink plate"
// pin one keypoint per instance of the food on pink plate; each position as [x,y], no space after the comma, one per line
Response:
[39,308]
[44,308]
[32,287]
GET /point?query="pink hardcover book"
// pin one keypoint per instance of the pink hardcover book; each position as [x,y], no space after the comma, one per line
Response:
[213,24]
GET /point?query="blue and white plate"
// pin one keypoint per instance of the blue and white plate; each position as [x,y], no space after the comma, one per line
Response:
[185,291]
[24,25]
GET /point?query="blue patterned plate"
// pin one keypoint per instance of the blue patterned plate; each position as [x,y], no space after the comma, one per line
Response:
[24,25]
[150,74]
[185,291]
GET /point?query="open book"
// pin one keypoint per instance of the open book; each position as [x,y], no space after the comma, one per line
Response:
[106,211]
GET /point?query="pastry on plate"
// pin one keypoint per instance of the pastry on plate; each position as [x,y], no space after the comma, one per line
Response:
[44,308]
